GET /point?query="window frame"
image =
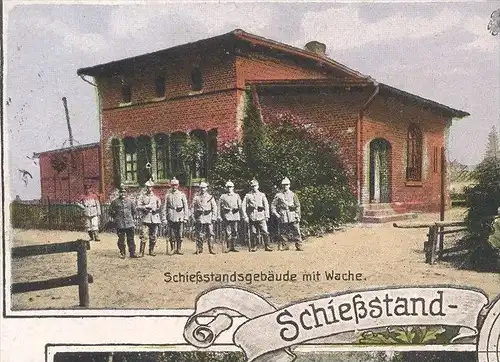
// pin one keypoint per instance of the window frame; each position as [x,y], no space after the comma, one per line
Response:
[130,161]
[162,145]
[196,79]
[414,153]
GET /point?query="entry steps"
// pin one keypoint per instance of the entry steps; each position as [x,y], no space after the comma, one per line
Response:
[381,213]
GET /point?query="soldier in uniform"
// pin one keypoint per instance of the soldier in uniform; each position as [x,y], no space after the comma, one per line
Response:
[286,207]
[255,211]
[89,202]
[175,212]
[229,212]
[149,205]
[122,211]
[205,213]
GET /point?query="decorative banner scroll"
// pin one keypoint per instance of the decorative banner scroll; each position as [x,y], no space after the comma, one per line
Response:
[269,332]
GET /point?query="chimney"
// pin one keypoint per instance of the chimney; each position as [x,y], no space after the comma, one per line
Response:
[316,47]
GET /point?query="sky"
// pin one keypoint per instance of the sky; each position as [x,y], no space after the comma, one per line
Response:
[440,51]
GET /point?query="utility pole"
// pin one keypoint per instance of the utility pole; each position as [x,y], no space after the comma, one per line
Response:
[68,122]
[70,145]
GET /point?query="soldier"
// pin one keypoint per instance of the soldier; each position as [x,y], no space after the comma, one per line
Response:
[150,206]
[89,202]
[229,212]
[175,213]
[122,211]
[286,208]
[205,213]
[255,211]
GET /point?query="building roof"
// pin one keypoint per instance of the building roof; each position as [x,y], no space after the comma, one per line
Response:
[357,82]
[237,34]
[353,77]
[68,149]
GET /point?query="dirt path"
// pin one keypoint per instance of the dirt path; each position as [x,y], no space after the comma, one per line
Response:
[385,256]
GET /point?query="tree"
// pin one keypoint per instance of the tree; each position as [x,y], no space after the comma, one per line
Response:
[254,137]
[492,149]
[483,200]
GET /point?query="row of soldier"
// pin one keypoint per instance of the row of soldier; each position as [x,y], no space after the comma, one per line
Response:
[230,209]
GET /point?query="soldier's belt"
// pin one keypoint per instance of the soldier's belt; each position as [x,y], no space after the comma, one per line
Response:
[178,209]
[292,208]
[207,212]
[235,211]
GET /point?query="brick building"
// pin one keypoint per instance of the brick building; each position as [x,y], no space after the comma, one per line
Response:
[65,171]
[390,139]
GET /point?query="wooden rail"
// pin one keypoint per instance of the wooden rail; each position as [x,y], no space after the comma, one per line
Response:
[82,278]
[434,246]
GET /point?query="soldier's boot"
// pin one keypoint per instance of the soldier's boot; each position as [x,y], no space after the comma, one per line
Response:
[91,235]
[142,247]
[199,246]
[172,245]
[96,236]
[267,247]
[298,245]
[152,249]
[178,248]
[210,245]
[122,253]
[233,245]
[253,243]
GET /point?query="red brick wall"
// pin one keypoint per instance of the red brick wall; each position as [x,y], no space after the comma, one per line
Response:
[218,73]
[334,111]
[259,67]
[389,118]
[219,106]
[216,110]
[180,110]
[67,185]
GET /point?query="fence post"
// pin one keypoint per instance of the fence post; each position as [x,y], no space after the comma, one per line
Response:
[83,277]
[430,245]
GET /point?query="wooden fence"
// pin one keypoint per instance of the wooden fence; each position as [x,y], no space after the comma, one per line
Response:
[82,278]
[434,245]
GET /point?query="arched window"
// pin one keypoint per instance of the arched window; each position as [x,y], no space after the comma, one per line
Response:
[116,152]
[414,154]
[177,169]
[199,166]
[144,158]
[162,152]
[130,148]
[196,79]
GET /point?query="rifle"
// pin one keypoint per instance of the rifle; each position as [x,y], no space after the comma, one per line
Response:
[223,237]
[167,238]
[249,236]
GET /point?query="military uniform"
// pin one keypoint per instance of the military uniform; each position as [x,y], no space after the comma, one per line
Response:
[175,212]
[150,206]
[255,210]
[286,207]
[204,213]
[230,213]
[123,213]
[91,211]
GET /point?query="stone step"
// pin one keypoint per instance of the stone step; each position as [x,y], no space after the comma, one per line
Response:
[389,218]
[376,206]
[379,212]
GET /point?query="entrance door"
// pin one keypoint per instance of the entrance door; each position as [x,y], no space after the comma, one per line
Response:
[380,171]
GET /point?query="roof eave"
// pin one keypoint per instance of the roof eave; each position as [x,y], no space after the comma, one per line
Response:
[447,111]
[65,149]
